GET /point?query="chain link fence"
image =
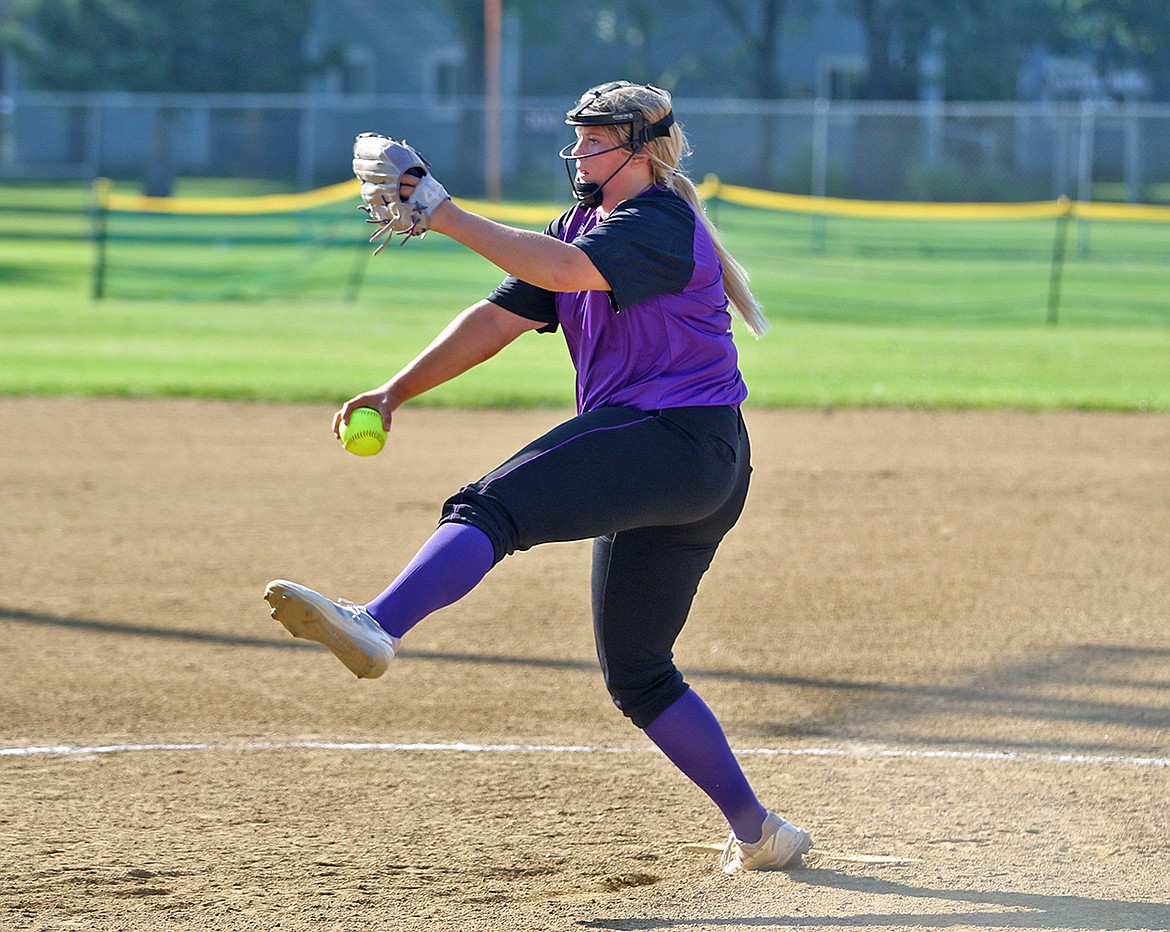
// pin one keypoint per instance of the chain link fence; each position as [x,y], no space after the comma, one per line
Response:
[865,150]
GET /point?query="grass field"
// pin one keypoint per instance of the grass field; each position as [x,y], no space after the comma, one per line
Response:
[864,313]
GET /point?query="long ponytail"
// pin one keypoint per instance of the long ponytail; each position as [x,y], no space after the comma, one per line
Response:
[735,276]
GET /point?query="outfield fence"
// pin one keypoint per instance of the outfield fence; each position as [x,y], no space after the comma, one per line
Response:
[869,260]
[866,150]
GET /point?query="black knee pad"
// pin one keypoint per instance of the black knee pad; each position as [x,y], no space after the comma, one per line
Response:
[643,702]
[485,511]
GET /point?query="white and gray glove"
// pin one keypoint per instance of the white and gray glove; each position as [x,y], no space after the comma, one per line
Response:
[380,164]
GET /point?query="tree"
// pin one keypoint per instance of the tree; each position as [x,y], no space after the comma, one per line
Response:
[178,46]
[895,32]
[1120,33]
[985,41]
[758,26]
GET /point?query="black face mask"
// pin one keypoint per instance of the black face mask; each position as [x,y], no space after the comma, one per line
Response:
[589,193]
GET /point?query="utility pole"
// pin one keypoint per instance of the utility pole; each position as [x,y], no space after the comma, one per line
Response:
[492,19]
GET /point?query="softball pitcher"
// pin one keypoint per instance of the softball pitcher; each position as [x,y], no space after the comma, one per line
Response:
[654,467]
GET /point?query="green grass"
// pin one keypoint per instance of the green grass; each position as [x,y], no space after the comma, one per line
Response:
[864,313]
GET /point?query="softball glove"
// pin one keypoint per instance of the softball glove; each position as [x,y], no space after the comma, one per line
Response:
[380,164]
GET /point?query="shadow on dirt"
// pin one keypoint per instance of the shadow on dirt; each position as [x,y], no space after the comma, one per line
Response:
[1074,685]
[1098,690]
[993,909]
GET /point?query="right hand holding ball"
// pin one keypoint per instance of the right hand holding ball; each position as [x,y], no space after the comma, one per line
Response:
[363,434]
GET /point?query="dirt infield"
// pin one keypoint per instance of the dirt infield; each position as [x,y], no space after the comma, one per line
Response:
[942,641]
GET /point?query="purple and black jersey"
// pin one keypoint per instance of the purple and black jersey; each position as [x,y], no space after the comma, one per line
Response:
[662,337]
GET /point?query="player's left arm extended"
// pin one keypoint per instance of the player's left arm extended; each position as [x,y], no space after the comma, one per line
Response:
[404,198]
[536,258]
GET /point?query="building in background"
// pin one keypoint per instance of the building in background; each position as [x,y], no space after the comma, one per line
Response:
[384,47]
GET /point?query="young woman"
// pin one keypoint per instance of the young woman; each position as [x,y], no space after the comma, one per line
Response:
[654,467]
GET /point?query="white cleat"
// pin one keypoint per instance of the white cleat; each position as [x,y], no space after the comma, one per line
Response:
[781,846]
[346,629]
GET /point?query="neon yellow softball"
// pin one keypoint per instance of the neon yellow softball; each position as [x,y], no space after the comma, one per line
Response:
[363,434]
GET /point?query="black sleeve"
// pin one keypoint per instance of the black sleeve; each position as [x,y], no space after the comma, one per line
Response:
[644,249]
[528,301]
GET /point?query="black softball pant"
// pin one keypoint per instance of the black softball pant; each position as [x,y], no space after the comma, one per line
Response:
[657,490]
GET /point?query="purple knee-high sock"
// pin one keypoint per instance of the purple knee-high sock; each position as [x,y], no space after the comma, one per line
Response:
[449,565]
[689,734]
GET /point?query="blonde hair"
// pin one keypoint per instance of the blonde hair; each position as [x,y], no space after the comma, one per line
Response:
[665,155]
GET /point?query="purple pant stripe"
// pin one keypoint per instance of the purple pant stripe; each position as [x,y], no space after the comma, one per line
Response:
[563,443]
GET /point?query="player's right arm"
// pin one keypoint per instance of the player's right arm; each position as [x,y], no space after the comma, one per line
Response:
[474,336]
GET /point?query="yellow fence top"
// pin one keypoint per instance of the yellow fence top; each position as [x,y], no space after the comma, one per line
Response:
[710,189]
[292,203]
[262,204]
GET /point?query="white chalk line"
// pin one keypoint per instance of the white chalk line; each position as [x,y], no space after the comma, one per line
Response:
[76,750]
